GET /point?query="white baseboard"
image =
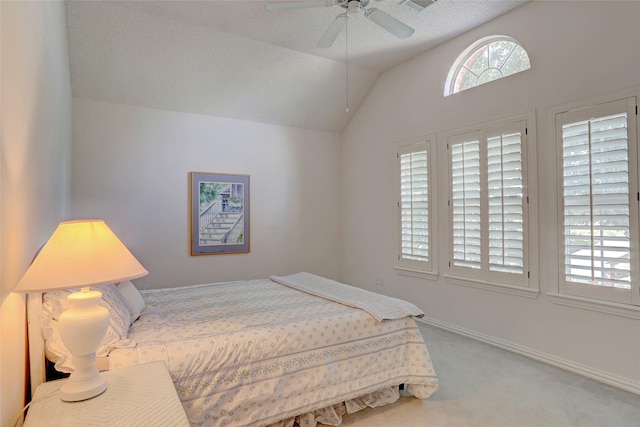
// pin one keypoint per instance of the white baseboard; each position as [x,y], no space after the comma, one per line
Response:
[586,371]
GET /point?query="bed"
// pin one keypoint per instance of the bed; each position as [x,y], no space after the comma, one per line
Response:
[298,349]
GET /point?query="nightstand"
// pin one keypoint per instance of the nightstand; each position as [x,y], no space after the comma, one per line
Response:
[140,395]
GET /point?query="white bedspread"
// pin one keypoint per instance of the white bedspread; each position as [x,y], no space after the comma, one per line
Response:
[379,306]
[256,352]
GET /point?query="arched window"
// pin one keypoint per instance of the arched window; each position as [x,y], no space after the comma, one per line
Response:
[490,58]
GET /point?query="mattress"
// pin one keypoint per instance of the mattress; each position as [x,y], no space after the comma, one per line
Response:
[257,352]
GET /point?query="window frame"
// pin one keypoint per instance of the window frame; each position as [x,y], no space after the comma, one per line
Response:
[525,285]
[408,267]
[602,295]
[459,63]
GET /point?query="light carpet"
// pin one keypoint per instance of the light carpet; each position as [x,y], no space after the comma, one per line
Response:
[484,386]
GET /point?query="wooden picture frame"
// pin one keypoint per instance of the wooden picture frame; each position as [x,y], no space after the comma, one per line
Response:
[219,213]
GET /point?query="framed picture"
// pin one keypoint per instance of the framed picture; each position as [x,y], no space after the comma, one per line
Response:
[219,213]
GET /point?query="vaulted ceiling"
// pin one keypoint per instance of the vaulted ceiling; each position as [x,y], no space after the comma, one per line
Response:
[237,60]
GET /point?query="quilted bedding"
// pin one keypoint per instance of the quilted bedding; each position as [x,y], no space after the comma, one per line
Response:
[255,353]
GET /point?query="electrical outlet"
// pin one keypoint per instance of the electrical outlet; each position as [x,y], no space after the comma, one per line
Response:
[379,282]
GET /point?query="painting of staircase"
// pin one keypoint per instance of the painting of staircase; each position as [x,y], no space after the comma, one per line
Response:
[219,213]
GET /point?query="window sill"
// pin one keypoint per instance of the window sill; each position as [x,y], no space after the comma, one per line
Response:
[607,307]
[419,274]
[520,291]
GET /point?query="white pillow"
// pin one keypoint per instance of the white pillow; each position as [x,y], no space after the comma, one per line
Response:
[55,302]
[132,299]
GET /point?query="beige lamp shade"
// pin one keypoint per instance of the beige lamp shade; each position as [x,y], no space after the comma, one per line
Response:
[80,254]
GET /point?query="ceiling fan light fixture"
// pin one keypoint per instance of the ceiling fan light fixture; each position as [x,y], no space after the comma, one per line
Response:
[353,6]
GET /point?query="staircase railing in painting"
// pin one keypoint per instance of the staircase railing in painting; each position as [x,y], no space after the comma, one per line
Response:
[232,236]
[210,213]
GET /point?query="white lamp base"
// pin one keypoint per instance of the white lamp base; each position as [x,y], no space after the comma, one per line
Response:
[82,328]
[85,382]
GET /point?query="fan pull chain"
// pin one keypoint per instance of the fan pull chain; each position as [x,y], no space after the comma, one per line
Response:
[346,42]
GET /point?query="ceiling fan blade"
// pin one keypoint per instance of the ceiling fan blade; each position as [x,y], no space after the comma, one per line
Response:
[389,23]
[282,5]
[332,32]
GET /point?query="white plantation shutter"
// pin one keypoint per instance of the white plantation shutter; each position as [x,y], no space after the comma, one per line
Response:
[505,186]
[465,203]
[598,219]
[488,204]
[413,169]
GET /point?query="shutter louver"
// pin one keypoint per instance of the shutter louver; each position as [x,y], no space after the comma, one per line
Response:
[466,210]
[595,159]
[505,186]
[414,206]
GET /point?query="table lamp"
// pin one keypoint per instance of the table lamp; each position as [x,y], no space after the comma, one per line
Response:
[80,254]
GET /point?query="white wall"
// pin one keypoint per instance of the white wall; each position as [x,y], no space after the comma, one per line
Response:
[578,50]
[35,166]
[131,166]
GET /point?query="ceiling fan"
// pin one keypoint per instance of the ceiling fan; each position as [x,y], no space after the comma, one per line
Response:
[384,20]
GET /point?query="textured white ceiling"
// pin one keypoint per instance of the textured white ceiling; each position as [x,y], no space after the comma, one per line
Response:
[235,59]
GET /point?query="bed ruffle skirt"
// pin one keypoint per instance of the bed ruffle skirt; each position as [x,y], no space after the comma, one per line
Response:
[332,415]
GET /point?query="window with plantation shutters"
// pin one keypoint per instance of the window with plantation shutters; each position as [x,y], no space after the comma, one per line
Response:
[599,217]
[488,204]
[414,206]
